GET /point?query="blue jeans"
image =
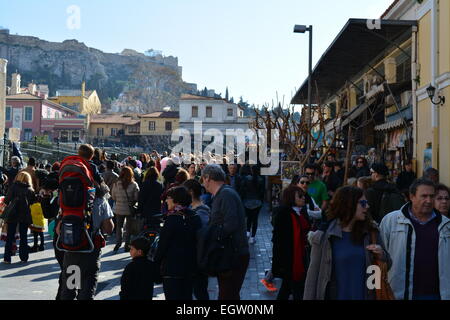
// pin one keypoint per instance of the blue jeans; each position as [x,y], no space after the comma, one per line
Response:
[23,249]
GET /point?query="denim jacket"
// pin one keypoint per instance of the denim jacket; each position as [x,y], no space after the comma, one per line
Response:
[397,232]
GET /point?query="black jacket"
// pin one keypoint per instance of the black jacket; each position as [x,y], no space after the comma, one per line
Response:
[138,279]
[362,172]
[250,190]
[177,248]
[405,180]
[282,242]
[149,200]
[374,195]
[26,197]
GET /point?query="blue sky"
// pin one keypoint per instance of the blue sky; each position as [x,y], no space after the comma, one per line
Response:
[247,45]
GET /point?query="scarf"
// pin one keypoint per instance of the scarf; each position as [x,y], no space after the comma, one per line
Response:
[300,228]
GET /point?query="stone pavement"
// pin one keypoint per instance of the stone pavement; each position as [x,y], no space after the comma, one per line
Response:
[38,279]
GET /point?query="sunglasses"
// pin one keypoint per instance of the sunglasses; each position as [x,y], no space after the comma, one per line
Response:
[363,203]
[310,174]
[304,182]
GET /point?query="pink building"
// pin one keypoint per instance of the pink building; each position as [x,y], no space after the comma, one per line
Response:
[37,116]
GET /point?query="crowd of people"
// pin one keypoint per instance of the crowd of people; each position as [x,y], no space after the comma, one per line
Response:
[326,231]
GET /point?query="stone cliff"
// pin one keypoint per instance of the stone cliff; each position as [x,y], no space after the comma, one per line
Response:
[143,83]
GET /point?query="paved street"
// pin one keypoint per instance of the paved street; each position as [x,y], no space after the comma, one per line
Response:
[38,279]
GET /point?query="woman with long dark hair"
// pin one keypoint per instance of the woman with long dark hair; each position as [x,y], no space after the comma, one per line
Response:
[252,194]
[125,193]
[149,202]
[341,255]
[290,229]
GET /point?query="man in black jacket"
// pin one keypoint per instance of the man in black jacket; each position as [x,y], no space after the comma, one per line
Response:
[383,197]
[228,211]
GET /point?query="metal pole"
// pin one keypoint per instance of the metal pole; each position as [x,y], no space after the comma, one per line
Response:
[309,88]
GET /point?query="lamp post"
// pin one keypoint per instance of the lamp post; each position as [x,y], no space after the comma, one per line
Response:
[303,29]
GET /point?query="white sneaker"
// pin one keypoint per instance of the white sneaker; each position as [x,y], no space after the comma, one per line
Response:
[248,234]
[252,240]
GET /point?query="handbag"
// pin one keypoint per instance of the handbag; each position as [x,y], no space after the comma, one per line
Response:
[133,207]
[10,209]
[385,292]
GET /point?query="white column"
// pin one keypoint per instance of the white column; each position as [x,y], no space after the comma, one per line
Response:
[3,64]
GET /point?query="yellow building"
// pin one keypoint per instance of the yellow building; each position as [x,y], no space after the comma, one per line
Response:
[430,66]
[159,123]
[85,102]
[104,126]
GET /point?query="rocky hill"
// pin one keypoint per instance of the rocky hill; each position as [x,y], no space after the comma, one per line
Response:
[129,81]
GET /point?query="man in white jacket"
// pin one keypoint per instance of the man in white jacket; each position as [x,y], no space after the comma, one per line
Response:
[418,240]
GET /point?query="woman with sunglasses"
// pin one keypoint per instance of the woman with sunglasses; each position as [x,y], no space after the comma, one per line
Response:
[290,229]
[341,255]
[303,181]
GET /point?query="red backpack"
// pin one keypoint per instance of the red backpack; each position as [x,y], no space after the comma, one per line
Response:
[77,194]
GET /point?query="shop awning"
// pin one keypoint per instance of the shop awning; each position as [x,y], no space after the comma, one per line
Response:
[351,51]
[390,125]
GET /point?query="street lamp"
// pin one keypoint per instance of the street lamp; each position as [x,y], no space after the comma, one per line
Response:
[304,29]
[431,92]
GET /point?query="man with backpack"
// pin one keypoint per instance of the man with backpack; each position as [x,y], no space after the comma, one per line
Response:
[383,197]
[82,222]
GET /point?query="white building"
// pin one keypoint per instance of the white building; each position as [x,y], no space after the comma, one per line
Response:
[214,113]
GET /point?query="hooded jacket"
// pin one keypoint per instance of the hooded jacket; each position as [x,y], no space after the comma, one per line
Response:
[397,232]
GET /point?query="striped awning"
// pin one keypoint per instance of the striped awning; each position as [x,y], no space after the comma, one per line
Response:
[389,125]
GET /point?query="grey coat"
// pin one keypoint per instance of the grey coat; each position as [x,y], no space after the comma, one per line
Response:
[227,210]
[320,283]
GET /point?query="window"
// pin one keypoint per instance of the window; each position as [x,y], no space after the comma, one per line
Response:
[28,113]
[168,126]
[209,112]
[151,126]
[229,112]
[64,137]
[8,113]
[27,134]
[113,132]
[75,136]
[100,132]
[194,111]
[57,115]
